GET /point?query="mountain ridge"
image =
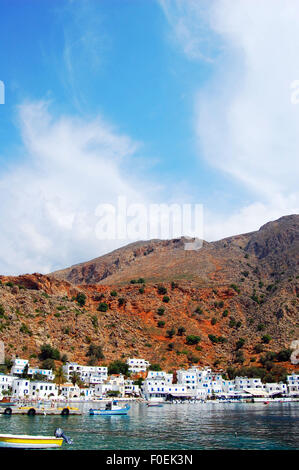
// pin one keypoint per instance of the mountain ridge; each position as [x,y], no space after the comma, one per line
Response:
[237,296]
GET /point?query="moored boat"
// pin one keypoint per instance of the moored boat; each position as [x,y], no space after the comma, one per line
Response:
[23,441]
[156,404]
[112,408]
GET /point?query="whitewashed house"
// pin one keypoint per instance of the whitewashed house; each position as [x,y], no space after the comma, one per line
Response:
[244,383]
[115,383]
[275,388]
[131,389]
[137,365]
[5,382]
[20,388]
[18,366]
[68,390]
[43,390]
[47,373]
[293,384]
[88,374]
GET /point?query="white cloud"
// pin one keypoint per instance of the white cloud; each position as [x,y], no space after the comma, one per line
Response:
[49,198]
[245,121]
[189,21]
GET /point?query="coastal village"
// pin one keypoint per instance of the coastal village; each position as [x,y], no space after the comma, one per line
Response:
[87,383]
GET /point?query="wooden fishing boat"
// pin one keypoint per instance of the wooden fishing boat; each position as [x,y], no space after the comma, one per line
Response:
[112,408]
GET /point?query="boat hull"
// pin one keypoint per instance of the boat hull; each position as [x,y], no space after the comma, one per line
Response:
[29,442]
[100,412]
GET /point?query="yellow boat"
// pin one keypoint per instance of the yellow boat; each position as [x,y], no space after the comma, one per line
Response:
[29,442]
[18,441]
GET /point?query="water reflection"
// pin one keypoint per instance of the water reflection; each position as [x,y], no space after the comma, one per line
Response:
[181,426]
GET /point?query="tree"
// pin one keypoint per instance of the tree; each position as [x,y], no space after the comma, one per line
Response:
[59,377]
[103,307]
[181,330]
[76,379]
[118,367]
[25,372]
[47,352]
[48,364]
[284,355]
[170,333]
[266,339]
[96,351]
[162,290]
[155,367]
[192,339]
[81,299]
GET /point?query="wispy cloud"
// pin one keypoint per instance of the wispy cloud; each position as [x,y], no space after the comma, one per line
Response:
[85,45]
[190,27]
[69,167]
[245,122]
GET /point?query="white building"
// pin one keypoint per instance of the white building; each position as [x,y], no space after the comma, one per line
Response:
[18,366]
[42,390]
[275,388]
[244,383]
[293,384]
[68,390]
[137,365]
[115,383]
[88,374]
[47,373]
[131,389]
[5,382]
[21,388]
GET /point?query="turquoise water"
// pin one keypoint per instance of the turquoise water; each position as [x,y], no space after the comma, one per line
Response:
[180,426]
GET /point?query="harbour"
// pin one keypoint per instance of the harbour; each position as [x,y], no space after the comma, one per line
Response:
[177,426]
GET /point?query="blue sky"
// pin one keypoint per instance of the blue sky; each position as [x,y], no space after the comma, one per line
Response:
[167,86]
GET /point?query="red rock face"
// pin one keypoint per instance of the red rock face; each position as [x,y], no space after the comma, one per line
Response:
[240,287]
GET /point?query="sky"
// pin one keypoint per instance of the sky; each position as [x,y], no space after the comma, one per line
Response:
[158,101]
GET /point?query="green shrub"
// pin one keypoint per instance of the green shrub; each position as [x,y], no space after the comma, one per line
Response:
[181,330]
[161,323]
[103,307]
[166,299]
[118,367]
[95,351]
[81,299]
[266,339]
[162,290]
[192,339]
[170,333]
[161,311]
[47,352]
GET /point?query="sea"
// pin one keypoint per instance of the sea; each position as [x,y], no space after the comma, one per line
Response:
[201,426]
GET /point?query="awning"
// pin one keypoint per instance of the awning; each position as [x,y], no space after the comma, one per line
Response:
[182,394]
[256,392]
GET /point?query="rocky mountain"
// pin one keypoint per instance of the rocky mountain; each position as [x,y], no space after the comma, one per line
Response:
[273,251]
[226,304]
